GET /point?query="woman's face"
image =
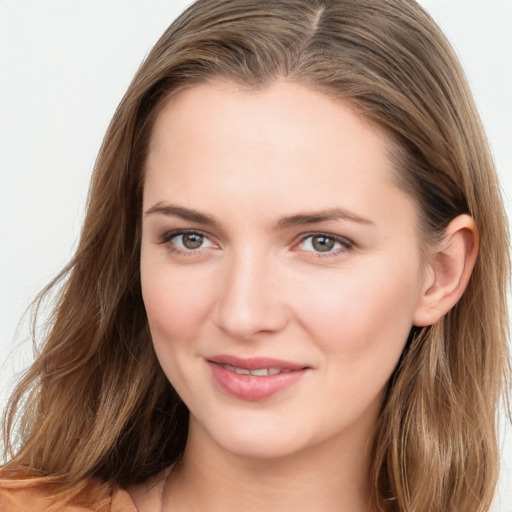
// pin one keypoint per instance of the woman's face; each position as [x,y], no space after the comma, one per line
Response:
[281,269]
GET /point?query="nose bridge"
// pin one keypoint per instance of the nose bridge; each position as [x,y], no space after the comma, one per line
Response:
[249,301]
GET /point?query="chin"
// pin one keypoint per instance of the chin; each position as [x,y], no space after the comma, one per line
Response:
[259,439]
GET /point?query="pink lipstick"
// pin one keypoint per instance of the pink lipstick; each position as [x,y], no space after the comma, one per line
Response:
[255,378]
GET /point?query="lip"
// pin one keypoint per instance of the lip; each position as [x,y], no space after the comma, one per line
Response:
[254,387]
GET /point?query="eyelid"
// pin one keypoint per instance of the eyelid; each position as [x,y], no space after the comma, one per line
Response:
[346,244]
[167,236]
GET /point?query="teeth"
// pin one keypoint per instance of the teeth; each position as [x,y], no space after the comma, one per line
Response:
[259,372]
[263,371]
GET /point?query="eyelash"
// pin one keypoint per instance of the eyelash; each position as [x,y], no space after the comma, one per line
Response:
[166,238]
[345,244]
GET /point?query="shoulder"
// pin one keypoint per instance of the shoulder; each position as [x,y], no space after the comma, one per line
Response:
[40,495]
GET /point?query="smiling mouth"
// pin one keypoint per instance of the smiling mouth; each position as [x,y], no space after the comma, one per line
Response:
[259,372]
[254,379]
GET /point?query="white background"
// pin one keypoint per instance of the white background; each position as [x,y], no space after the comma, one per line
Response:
[64,66]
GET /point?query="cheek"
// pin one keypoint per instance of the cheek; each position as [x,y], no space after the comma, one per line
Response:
[361,327]
[176,303]
[362,313]
[176,307]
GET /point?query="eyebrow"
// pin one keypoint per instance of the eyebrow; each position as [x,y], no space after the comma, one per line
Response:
[182,213]
[291,221]
[321,216]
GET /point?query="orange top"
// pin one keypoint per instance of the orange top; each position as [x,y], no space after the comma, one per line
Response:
[30,495]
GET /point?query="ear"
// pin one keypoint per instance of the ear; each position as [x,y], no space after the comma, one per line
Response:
[448,271]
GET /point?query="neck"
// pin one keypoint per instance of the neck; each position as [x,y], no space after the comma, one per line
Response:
[325,477]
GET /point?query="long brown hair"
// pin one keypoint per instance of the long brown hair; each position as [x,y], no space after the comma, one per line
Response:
[95,401]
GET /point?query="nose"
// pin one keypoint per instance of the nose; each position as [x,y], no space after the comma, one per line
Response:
[251,302]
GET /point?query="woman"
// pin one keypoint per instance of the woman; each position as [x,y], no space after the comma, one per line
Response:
[289,291]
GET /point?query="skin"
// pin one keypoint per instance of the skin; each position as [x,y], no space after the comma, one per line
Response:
[258,282]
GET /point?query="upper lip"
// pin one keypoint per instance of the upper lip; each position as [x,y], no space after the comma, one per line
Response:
[254,363]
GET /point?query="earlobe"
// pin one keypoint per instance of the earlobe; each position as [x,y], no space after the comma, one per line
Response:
[450,266]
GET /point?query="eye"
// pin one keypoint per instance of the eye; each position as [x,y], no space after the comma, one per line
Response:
[325,244]
[186,241]
[189,241]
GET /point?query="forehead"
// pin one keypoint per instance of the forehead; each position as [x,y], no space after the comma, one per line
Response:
[285,145]
[222,101]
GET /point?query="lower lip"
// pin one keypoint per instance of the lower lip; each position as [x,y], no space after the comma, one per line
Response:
[253,387]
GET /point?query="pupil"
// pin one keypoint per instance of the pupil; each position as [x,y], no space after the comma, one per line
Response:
[323,243]
[192,241]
